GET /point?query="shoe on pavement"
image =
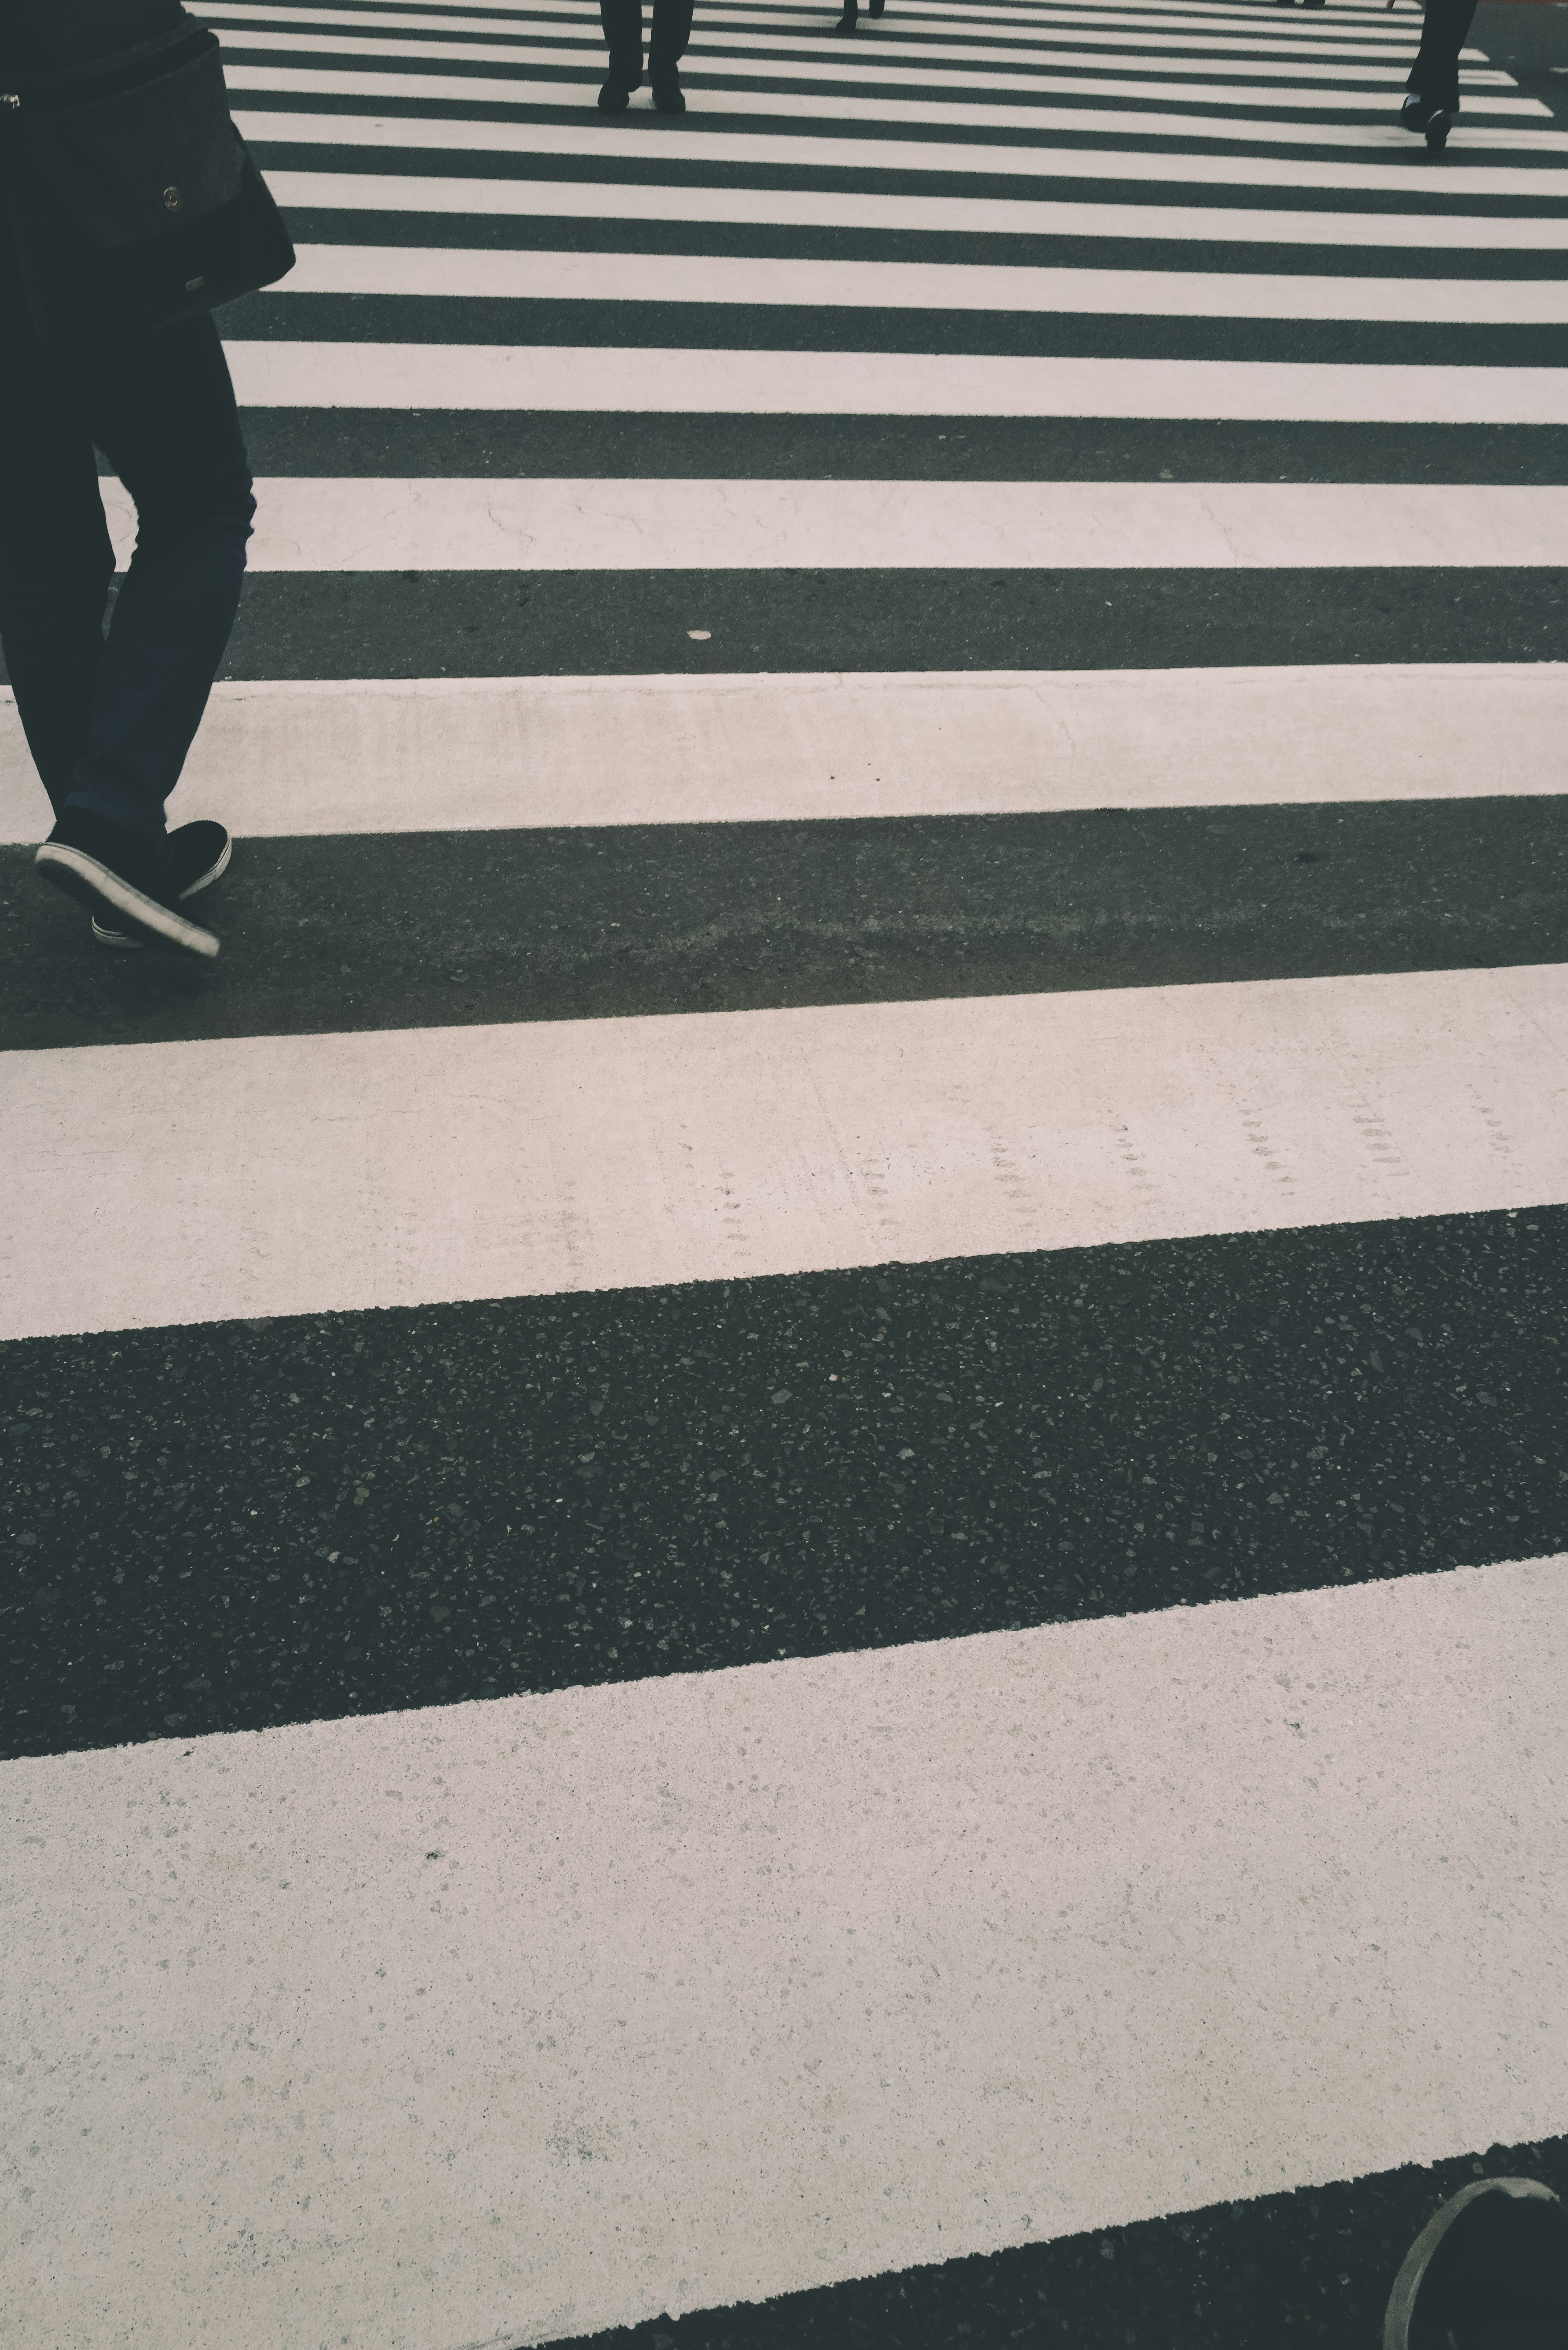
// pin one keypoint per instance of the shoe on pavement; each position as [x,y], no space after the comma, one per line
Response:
[1438,125]
[1488,2272]
[198,854]
[1413,112]
[667,95]
[616,95]
[120,875]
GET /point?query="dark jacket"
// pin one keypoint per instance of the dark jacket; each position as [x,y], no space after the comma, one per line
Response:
[43,36]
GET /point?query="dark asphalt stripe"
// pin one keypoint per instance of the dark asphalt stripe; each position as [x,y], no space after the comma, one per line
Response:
[438,929]
[466,444]
[1316,2268]
[788,327]
[667,164]
[630,623]
[509,444]
[498,232]
[241,1524]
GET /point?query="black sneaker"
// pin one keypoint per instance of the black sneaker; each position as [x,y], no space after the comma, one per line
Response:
[667,95]
[616,95]
[121,873]
[198,854]
[1488,2272]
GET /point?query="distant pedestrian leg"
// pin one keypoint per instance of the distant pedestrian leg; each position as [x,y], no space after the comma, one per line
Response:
[1433,91]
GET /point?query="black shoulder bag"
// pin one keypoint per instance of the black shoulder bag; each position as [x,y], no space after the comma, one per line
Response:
[130,196]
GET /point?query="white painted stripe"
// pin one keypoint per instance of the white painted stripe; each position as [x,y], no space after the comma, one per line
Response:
[543,2015]
[375,523]
[409,754]
[824,107]
[331,1173]
[701,70]
[622,380]
[533,275]
[594,141]
[937,215]
[712,44]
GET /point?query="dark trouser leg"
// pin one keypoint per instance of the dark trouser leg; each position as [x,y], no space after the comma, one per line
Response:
[55,560]
[622,23]
[1434,76]
[163,413]
[671,32]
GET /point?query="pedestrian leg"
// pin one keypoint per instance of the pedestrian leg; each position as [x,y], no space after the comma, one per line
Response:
[621,21]
[1432,99]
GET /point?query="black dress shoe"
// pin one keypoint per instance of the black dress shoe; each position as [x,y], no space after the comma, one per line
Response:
[616,95]
[1413,112]
[850,20]
[1438,124]
[198,854]
[124,877]
[667,95]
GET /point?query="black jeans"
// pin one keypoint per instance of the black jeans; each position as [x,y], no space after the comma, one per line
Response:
[622,22]
[1434,76]
[108,720]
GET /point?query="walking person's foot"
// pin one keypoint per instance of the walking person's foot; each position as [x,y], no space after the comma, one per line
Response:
[1413,111]
[614,97]
[198,854]
[123,877]
[667,95]
[849,22]
[1438,125]
[1488,2272]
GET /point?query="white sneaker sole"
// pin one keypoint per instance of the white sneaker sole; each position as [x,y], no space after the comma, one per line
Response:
[122,942]
[103,883]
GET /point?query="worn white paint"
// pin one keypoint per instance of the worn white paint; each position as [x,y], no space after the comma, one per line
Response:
[375,523]
[324,1173]
[431,755]
[547,2014]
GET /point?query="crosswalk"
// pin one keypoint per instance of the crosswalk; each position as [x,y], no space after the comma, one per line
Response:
[790,1514]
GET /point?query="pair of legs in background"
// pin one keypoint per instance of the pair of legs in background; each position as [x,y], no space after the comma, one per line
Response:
[109,718]
[622,23]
